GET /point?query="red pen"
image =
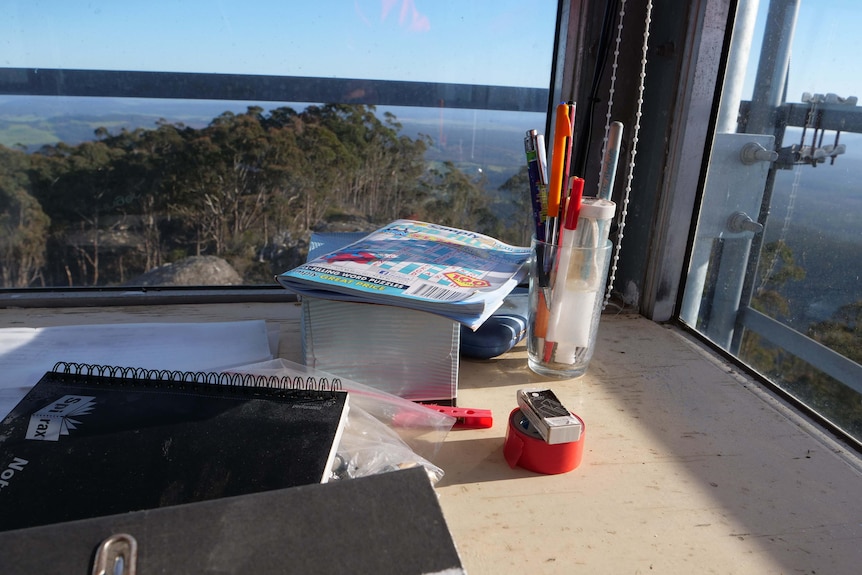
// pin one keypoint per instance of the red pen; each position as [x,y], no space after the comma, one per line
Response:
[569,145]
[573,206]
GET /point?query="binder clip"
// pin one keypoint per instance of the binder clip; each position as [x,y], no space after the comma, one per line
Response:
[116,555]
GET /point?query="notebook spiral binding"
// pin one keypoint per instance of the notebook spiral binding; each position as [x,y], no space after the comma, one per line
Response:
[196,379]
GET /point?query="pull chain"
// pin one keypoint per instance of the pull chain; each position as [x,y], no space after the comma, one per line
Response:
[636,130]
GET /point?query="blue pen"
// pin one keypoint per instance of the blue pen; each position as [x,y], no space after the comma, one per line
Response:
[533,170]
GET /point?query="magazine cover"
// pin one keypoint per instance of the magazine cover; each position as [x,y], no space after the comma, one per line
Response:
[456,273]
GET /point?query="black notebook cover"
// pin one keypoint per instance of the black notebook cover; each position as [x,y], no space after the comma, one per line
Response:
[82,446]
[388,523]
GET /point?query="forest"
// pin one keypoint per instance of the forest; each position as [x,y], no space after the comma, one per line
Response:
[248,187]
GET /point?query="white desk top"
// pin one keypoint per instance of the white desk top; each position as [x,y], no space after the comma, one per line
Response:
[687,468]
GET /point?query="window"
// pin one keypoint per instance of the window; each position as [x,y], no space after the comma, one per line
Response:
[774,274]
[133,136]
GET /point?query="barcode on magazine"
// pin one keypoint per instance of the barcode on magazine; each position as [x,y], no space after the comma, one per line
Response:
[439,293]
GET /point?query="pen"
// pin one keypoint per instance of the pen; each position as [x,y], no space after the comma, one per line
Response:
[543,160]
[543,175]
[573,206]
[610,160]
[543,258]
[567,181]
[562,131]
[569,229]
[535,183]
[569,143]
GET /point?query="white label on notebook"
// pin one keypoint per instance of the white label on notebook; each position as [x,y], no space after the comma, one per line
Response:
[55,419]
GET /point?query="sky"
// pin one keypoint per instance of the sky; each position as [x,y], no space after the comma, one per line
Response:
[824,54]
[493,42]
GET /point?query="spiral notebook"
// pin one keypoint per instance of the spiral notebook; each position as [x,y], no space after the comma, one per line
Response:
[89,441]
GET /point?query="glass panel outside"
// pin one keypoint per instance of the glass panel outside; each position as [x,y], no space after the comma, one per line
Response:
[802,174]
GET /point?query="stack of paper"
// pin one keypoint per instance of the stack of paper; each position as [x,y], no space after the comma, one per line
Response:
[27,353]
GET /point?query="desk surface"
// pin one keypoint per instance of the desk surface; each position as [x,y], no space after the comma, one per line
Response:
[688,467]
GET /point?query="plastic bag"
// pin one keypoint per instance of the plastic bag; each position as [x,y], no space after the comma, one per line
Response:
[384,432]
[369,447]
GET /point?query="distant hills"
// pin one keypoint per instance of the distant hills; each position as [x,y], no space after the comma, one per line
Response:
[489,141]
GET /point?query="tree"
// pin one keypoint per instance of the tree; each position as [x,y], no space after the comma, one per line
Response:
[325,170]
[522,226]
[455,200]
[144,176]
[842,333]
[779,267]
[23,224]
[383,170]
[76,187]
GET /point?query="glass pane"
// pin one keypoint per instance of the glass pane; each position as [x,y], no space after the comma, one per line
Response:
[774,276]
[97,189]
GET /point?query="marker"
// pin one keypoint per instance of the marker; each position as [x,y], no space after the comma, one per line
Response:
[563,303]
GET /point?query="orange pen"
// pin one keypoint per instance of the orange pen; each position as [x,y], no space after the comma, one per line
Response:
[562,132]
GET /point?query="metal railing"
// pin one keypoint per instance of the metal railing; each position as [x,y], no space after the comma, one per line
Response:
[258,88]
[833,364]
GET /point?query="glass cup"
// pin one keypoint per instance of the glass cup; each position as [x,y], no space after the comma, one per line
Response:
[567,287]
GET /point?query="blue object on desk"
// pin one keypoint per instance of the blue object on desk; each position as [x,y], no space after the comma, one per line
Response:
[500,332]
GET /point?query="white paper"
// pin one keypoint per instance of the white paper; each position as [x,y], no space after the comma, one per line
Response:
[27,353]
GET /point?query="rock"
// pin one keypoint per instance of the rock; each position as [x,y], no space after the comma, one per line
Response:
[191,271]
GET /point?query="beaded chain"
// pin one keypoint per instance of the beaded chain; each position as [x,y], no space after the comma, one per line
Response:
[634,142]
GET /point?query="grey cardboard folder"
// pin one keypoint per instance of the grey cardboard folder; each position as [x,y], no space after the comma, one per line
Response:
[387,523]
